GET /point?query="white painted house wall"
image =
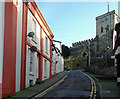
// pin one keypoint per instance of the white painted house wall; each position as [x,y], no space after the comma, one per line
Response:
[32,26]
[58,45]
[116,20]
[19,44]
[54,62]
[27,67]
[62,63]
[1,38]
[60,60]
[58,64]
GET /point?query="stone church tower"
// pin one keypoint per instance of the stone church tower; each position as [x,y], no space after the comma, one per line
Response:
[103,44]
[105,33]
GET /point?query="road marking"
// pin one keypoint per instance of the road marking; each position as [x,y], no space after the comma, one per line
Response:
[93,91]
[50,88]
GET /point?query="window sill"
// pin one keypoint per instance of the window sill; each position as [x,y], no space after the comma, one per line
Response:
[34,41]
[46,52]
[31,74]
[45,77]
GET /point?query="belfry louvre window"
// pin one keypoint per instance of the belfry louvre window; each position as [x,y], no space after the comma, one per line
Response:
[101,29]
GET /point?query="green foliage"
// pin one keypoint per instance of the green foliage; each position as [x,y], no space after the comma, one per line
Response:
[65,51]
[75,63]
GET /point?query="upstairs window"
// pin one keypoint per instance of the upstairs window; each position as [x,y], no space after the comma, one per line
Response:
[34,28]
[46,44]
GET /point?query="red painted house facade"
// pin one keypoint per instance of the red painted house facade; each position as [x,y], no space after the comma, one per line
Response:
[25,46]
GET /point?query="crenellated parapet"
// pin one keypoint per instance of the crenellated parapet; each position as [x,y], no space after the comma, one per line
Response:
[79,43]
[80,47]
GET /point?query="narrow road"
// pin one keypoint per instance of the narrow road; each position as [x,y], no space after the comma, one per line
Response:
[76,85]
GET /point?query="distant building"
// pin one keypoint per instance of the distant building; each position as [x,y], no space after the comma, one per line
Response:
[83,47]
[104,42]
[57,59]
[105,33]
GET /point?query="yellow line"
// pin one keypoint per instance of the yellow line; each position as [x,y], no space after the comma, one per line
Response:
[44,92]
[94,90]
[93,86]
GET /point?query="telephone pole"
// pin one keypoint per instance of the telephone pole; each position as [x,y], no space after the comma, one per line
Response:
[108,5]
[88,53]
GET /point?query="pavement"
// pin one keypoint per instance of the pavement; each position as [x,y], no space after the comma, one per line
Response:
[109,89]
[38,88]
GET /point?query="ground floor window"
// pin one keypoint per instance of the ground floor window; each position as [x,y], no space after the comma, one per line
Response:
[31,61]
[45,68]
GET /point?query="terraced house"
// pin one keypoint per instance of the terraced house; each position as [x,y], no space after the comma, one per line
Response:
[25,46]
[57,59]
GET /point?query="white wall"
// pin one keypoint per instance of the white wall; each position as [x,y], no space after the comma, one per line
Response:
[38,35]
[53,62]
[114,32]
[58,45]
[59,58]
[19,45]
[1,38]
[27,66]
[37,67]
[62,63]
[57,65]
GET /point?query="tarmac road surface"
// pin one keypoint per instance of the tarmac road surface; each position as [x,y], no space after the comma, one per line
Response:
[76,85]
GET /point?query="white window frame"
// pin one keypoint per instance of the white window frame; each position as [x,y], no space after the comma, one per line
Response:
[45,69]
[46,44]
[34,28]
[31,62]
